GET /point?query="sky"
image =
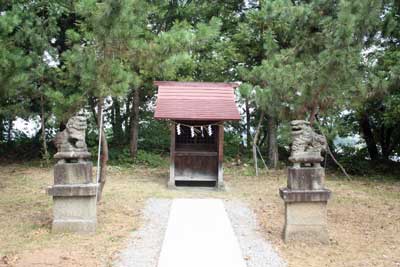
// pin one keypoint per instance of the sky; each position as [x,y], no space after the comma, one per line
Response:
[28,127]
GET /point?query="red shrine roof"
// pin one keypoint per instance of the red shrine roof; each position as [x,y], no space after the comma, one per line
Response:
[196,101]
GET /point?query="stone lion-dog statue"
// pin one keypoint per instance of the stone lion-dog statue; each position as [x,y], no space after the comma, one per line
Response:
[70,142]
[307,145]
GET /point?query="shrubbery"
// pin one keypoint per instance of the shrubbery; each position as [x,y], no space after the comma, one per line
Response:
[122,157]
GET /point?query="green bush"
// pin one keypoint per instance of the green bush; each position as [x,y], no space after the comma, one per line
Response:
[151,159]
[356,162]
[122,157]
[231,145]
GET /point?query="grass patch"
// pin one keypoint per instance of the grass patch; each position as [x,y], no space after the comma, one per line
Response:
[362,212]
[122,158]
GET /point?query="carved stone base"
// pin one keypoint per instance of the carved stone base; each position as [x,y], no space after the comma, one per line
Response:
[289,195]
[306,157]
[73,173]
[312,178]
[74,155]
[305,205]
[74,198]
[305,221]
[74,214]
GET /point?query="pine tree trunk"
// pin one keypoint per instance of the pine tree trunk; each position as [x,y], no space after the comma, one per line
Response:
[386,133]
[127,120]
[369,137]
[43,129]
[248,133]
[273,156]
[104,152]
[255,140]
[117,122]
[264,137]
[134,123]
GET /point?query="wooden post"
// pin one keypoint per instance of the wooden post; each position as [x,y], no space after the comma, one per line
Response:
[171,182]
[220,182]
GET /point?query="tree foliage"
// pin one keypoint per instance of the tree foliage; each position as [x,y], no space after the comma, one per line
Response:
[335,63]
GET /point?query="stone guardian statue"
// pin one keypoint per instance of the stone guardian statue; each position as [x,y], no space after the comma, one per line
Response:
[74,193]
[71,143]
[305,196]
[307,145]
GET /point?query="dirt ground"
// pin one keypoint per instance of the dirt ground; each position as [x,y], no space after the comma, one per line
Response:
[363,217]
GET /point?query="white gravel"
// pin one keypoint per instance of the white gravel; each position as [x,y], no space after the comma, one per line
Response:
[144,247]
[145,244]
[255,249]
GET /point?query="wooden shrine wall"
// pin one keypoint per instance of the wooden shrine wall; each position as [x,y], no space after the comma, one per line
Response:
[195,158]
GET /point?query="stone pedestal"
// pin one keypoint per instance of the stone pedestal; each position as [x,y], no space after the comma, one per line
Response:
[305,205]
[74,197]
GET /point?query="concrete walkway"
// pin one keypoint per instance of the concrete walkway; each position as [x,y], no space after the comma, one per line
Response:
[199,234]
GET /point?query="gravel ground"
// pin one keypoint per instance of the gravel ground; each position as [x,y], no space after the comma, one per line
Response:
[257,251]
[144,247]
[145,244]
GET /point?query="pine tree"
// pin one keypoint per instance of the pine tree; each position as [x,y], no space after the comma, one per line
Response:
[305,56]
[28,56]
[97,63]
[377,110]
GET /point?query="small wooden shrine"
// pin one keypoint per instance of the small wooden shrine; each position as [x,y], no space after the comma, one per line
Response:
[197,111]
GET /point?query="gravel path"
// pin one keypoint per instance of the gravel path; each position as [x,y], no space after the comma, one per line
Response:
[144,247]
[145,244]
[257,251]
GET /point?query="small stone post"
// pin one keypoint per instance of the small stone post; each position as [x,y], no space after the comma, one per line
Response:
[73,192]
[305,196]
